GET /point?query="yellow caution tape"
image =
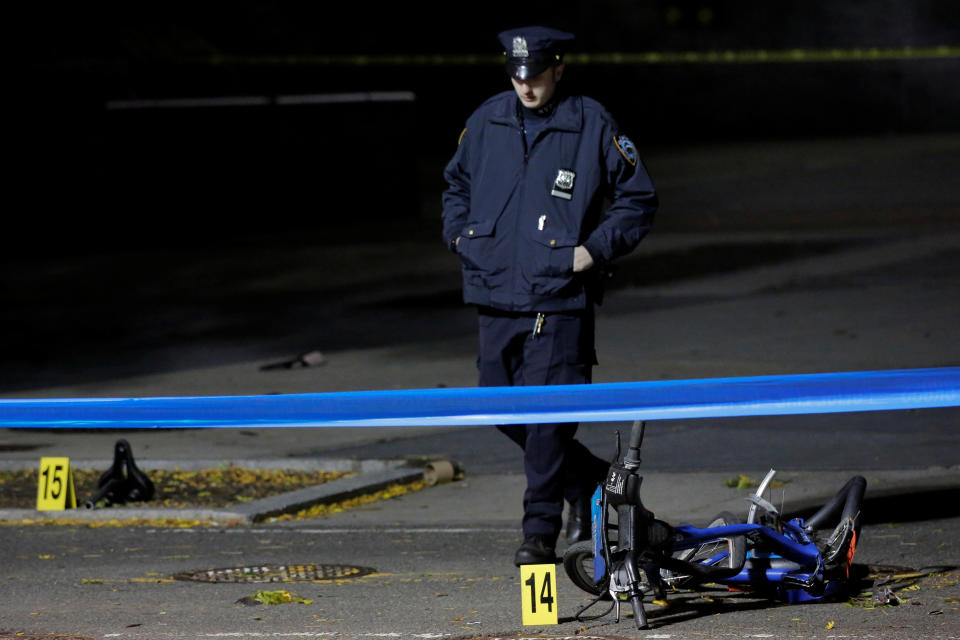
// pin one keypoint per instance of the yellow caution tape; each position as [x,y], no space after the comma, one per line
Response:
[757,56]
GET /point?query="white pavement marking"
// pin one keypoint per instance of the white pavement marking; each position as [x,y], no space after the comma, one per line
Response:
[339,635]
[343,531]
[285,634]
[262,101]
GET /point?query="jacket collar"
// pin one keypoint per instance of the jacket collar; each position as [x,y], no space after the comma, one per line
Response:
[567,116]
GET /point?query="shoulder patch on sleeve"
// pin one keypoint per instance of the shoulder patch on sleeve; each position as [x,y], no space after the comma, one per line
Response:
[462,133]
[627,150]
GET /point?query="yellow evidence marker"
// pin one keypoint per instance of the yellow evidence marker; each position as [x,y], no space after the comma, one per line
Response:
[538,583]
[55,490]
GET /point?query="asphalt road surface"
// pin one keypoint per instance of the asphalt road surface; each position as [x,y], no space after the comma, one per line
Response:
[429,582]
[802,279]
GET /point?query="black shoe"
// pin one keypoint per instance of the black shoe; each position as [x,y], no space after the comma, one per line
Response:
[535,550]
[579,521]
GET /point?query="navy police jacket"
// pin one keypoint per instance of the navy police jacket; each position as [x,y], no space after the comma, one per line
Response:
[519,212]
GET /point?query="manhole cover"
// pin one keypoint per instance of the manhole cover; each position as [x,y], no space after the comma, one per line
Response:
[277,573]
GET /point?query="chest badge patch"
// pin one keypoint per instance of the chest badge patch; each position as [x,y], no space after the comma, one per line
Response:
[627,150]
[563,185]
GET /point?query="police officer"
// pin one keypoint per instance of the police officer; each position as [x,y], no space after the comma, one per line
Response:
[543,191]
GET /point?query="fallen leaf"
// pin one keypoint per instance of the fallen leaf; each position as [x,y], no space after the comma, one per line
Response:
[273,597]
[280,596]
[830,625]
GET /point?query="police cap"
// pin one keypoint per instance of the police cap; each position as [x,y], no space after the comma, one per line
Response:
[532,50]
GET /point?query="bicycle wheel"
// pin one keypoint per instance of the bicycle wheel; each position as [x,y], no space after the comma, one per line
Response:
[578,563]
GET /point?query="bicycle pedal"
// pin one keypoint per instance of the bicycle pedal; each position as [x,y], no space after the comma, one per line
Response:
[804,581]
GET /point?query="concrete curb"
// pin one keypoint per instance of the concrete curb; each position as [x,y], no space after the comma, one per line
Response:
[293,464]
[336,491]
[374,475]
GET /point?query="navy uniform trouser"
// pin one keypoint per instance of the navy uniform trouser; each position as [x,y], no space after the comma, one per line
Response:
[557,466]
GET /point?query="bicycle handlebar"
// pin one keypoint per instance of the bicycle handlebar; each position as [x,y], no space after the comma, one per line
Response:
[632,458]
[846,504]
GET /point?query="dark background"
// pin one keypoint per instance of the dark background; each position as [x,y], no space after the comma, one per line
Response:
[204,175]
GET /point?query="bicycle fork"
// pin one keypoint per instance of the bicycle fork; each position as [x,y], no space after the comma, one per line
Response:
[639,538]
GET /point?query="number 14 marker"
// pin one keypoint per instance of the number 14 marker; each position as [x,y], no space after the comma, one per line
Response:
[538,584]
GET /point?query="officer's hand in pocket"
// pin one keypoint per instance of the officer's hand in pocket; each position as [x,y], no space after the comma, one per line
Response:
[582,260]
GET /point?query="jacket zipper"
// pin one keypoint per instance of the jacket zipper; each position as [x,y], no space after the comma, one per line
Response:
[519,217]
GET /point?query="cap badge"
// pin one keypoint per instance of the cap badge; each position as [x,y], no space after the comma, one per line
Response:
[520,47]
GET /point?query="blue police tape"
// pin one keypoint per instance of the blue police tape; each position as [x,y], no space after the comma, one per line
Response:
[708,398]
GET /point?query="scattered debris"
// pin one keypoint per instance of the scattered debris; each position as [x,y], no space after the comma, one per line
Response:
[304,360]
[123,482]
[883,594]
[439,472]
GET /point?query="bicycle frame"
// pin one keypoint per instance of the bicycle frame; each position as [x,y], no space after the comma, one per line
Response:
[787,562]
[781,559]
